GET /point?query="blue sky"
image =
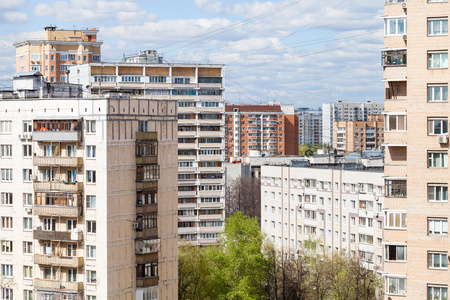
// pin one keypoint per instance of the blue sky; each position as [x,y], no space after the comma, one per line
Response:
[300,52]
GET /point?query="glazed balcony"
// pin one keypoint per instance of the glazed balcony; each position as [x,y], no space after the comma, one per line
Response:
[61,186]
[57,285]
[63,261]
[57,161]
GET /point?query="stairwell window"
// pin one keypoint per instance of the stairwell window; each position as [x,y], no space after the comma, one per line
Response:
[438,60]
[394,26]
[437,92]
[437,26]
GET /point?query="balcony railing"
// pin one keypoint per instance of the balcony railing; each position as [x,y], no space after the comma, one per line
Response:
[147,282]
[72,187]
[64,261]
[56,136]
[57,210]
[57,285]
[39,234]
[57,161]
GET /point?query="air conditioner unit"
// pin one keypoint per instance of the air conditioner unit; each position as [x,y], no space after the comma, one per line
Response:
[442,139]
[404,5]
[134,225]
[28,209]
[405,37]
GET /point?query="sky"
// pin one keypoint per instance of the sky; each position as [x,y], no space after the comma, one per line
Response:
[301,52]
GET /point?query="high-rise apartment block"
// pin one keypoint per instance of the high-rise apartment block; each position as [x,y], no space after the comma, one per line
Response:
[359,135]
[309,126]
[415,64]
[346,111]
[88,200]
[59,49]
[199,92]
[255,130]
[341,209]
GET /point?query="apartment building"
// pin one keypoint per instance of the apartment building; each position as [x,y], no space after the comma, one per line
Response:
[415,64]
[354,136]
[309,126]
[255,130]
[345,111]
[59,49]
[88,200]
[339,206]
[199,92]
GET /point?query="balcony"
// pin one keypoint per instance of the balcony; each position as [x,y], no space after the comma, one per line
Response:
[147,233]
[57,161]
[61,186]
[393,58]
[146,282]
[145,209]
[146,185]
[52,260]
[57,210]
[210,169]
[146,257]
[39,234]
[56,136]
[57,285]
[146,160]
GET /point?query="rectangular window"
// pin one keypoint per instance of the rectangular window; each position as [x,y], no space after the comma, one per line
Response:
[91,276]
[91,176]
[91,126]
[437,26]
[437,159]
[27,175]
[27,150]
[91,202]
[7,271]
[27,247]
[395,26]
[35,56]
[91,252]
[395,253]
[7,222]
[28,295]
[393,58]
[395,220]
[91,151]
[437,126]
[27,272]
[91,227]
[6,151]
[27,199]
[27,223]
[7,198]
[437,292]
[95,57]
[395,122]
[437,93]
[438,260]
[5,126]
[438,60]
[143,126]
[437,226]
[437,192]
[7,175]
[7,246]
[49,224]
[396,286]
[396,188]
[72,250]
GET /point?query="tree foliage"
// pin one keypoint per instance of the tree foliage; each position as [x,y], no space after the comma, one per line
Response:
[244,194]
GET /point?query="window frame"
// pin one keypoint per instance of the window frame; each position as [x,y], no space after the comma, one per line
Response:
[431,92]
[442,61]
[441,22]
[435,124]
[435,187]
[387,26]
[443,159]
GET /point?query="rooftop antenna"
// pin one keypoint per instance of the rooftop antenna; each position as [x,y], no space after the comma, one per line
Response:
[74,26]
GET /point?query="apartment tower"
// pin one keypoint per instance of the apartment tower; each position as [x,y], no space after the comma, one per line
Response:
[309,126]
[199,92]
[88,200]
[415,63]
[57,51]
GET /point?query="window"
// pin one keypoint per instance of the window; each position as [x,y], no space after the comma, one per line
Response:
[71,274]
[49,224]
[437,92]
[72,250]
[91,202]
[143,126]
[396,188]
[437,126]
[437,26]
[437,60]
[393,58]
[6,151]
[91,226]
[437,192]
[395,253]
[91,252]
[395,220]
[27,272]
[91,176]
[27,151]
[395,122]
[91,126]
[7,294]
[27,247]
[27,175]
[91,276]
[7,246]
[437,226]
[395,26]
[91,151]
[27,223]
[27,294]
[35,56]
[5,126]
[366,239]
[437,159]
[437,292]
[396,286]
[7,222]
[95,57]
[7,271]
[27,199]
[7,175]
[437,260]
[71,150]
[7,198]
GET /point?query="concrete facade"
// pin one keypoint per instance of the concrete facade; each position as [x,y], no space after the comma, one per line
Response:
[309,126]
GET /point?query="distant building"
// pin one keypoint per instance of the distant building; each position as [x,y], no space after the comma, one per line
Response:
[254,130]
[339,207]
[309,126]
[57,51]
[345,111]
[354,136]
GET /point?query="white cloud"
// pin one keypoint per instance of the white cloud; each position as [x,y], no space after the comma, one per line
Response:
[12,17]
[12,4]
